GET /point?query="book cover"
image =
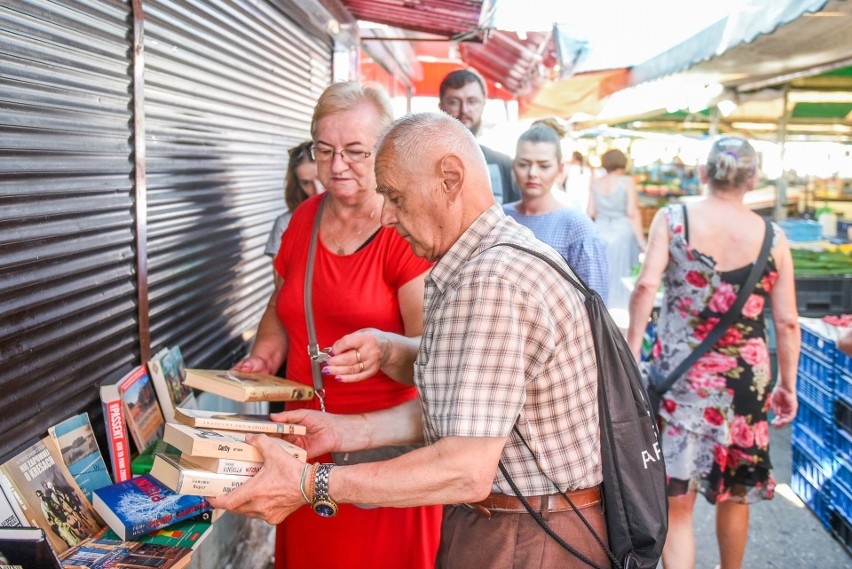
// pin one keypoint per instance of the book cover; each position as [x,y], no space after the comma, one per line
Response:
[118,442]
[188,533]
[11,512]
[103,551]
[222,421]
[142,505]
[244,386]
[183,476]
[27,547]
[142,463]
[53,500]
[221,444]
[79,449]
[144,419]
[167,374]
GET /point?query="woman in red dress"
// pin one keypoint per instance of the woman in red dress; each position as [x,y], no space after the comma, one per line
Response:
[367,292]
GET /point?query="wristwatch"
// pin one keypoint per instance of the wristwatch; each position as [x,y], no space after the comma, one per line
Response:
[323,505]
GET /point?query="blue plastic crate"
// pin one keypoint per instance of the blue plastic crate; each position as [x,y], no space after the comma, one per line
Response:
[817,366]
[819,345]
[842,362]
[841,500]
[842,471]
[843,446]
[814,431]
[841,529]
[814,392]
[812,496]
[843,385]
[843,414]
[802,230]
[818,474]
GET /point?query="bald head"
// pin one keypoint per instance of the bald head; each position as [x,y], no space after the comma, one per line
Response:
[434,178]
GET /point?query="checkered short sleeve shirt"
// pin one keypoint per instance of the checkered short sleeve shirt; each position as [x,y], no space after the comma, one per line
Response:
[507,340]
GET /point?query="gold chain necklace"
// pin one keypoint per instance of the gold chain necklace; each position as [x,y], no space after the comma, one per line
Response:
[340,249]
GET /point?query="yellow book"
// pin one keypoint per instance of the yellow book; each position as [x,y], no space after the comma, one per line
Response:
[235,422]
[221,444]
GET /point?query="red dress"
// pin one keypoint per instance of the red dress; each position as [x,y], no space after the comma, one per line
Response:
[349,293]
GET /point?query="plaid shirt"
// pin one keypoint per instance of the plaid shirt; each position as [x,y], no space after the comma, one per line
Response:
[507,340]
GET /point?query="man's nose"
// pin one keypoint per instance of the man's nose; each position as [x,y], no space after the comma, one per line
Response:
[387,218]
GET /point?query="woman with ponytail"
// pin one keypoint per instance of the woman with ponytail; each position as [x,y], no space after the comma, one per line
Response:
[714,418]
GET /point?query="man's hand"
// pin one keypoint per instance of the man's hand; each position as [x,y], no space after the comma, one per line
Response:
[273,493]
[324,429]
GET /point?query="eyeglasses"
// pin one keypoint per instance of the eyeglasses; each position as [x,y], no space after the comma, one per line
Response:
[326,154]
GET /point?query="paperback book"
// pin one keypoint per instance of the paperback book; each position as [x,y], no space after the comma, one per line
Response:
[27,547]
[183,476]
[118,442]
[79,448]
[144,419]
[228,465]
[244,386]
[143,462]
[53,500]
[11,497]
[221,444]
[189,533]
[142,505]
[168,374]
[235,422]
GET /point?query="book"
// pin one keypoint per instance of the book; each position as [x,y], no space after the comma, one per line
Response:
[104,551]
[142,505]
[118,442]
[141,464]
[228,465]
[142,412]
[167,374]
[183,476]
[79,449]
[53,500]
[11,514]
[221,444]
[244,386]
[27,547]
[188,533]
[235,422]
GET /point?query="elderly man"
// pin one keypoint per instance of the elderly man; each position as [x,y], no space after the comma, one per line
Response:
[505,370]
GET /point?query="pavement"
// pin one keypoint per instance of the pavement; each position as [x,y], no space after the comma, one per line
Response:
[783,534]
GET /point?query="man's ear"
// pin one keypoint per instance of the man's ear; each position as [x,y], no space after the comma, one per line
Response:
[452,175]
[702,174]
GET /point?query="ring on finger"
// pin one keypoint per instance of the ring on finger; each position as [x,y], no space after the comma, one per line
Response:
[358,356]
[360,367]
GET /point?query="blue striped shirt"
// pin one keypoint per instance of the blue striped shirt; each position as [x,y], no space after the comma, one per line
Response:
[575,236]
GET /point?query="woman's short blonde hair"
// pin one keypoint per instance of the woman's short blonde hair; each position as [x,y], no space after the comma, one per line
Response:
[614,159]
[347,95]
[732,161]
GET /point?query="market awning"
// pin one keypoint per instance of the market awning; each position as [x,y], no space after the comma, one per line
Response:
[458,19]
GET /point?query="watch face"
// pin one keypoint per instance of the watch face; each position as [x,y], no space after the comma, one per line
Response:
[325,509]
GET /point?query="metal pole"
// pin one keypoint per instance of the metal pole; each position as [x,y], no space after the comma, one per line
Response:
[780,210]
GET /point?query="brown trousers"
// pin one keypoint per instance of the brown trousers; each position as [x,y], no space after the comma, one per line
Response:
[516,541]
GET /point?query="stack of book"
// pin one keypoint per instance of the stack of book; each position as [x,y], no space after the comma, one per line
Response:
[59,504]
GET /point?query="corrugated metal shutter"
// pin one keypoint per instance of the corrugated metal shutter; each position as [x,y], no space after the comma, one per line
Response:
[230,86]
[67,279]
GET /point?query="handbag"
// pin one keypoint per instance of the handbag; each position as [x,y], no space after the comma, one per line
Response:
[658,384]
[340,458]
[634,474]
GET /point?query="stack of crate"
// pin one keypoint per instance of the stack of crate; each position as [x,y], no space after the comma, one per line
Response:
[822,432]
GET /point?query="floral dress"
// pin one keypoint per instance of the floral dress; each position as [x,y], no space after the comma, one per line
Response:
[715,435]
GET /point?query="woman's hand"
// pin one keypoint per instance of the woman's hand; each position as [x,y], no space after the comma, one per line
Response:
[357,356]
[784,405]
[254,363]
[322,435]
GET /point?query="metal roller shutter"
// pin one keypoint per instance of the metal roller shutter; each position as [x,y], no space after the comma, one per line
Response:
[229,87]
[67,278]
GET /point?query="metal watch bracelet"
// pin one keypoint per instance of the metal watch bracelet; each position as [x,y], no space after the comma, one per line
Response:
[323,505]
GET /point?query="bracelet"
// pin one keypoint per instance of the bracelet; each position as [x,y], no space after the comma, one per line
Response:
[302,483]
[311,490]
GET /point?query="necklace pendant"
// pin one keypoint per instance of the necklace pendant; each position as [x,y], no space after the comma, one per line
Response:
[340,251]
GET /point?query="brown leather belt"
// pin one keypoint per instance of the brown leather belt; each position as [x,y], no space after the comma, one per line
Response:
[552,502]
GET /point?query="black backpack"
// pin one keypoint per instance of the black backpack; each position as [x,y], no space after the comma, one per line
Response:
[634,474]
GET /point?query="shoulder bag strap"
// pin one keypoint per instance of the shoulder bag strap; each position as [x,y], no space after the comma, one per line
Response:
[313,345]
[728,319]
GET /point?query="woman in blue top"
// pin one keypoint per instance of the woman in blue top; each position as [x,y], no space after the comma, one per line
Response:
[537,166]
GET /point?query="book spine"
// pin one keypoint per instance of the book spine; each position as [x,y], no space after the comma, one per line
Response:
[240,467]
[117,442]
[18,506]
[190,484]
[242,426]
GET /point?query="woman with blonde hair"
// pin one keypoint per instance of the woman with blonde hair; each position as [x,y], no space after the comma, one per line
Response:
[714,426]
[367,306]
